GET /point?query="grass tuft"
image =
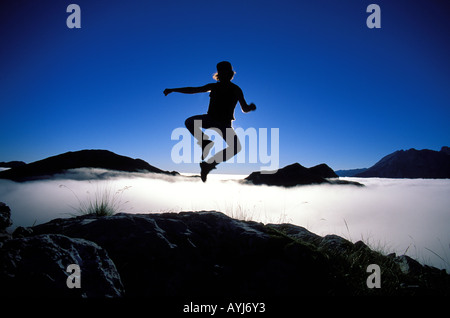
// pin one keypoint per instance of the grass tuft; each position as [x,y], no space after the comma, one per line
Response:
[103,202]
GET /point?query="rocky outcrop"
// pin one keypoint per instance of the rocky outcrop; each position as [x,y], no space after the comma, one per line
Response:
[37,266]
[5,216]
[412,163]
[202,255]
[49,167]
[171,255]
[295,174]
[5,220]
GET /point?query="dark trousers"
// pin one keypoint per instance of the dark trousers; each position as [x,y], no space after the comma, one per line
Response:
[195,124]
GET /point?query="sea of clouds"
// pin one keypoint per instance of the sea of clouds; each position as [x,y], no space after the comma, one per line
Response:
[405,216]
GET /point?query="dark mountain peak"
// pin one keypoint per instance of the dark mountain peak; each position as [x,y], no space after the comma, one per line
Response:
[324,171]
[103,159]
[296,174]
[411,163]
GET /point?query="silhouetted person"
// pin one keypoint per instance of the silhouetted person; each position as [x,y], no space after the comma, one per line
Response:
[223,100]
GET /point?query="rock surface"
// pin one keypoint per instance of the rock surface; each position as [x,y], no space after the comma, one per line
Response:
[5,216]
[208,255]
[172,255]
[5,221]
[36,267]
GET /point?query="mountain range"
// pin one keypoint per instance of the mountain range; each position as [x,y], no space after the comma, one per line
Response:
[410,163]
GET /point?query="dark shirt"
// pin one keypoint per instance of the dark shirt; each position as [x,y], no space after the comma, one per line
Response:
[223,100]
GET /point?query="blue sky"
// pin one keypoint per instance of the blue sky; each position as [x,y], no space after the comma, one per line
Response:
[339,92]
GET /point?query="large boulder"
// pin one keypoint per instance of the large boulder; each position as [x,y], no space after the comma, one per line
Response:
[181,257]
[37,266]
[203,254]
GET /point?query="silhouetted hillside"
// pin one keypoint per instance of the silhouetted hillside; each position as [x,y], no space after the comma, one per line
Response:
[11,164]
[295,174]
[104,159]
[412,163]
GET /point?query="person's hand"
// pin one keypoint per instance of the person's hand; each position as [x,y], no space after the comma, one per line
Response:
[167,91]
[252,107]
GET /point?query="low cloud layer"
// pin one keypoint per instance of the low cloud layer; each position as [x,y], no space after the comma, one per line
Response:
[406,215]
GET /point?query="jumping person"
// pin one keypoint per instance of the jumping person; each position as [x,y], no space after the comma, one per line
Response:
[224,96]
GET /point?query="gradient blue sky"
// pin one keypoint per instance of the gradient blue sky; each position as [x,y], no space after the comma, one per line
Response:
[339,92]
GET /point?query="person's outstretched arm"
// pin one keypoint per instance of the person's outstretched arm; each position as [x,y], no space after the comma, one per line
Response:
[188,90]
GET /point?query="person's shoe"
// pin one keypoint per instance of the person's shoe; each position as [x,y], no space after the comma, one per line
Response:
[205,169]
[206,147]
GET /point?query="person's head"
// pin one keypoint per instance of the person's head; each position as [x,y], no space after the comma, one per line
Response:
[224,72]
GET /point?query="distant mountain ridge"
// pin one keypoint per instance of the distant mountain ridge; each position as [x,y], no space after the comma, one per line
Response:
[412,163]
[46,168]
[350,172]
